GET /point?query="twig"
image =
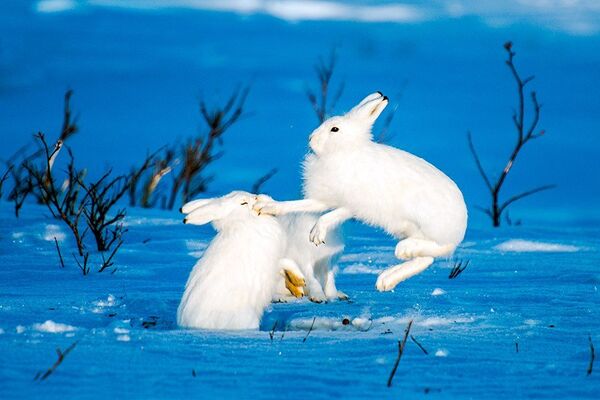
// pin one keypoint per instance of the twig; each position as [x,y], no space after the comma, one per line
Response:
[62,263]
[516,347]
[592,356]
[322,103]
[401,344]
[261,181]
[106,263]
[84,267]
[459,267]
[310,329]
[418,344]
[61,357]
[272,332]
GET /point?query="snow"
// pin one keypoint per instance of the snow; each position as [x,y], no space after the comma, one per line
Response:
[535,284]
[125,326]
[53,327]
[438,292]
[518,245]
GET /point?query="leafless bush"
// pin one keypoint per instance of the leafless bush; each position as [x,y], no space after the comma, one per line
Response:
[66,204]
[23,184]
[187,162]
[322,100]
[524,135]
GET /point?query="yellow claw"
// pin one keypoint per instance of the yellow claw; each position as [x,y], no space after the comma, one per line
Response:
[294,283]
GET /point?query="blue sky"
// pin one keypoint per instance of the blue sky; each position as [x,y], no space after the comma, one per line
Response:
[139,69]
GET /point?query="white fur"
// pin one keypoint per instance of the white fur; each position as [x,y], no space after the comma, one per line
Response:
[236,278]
[314,262]
[382,186]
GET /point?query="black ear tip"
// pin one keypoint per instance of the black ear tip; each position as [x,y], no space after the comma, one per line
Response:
[185,220]
[380,93]
[385,98]
[180,209]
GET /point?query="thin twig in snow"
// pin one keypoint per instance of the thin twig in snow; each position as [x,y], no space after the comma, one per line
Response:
[401,344]
[310,329]
[459,267]
[62,263]
[592,356]
[61,357]
[418,344]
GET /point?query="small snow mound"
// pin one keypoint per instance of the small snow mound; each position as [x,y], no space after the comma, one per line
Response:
[361,269]
[20,329]
[52,6]
[441,353]
[438,292]
[53,327]
[526,246]
[531,322]
[123,338]
[1,331]
[121,331]
[109,302]
[53,231]
[143,221]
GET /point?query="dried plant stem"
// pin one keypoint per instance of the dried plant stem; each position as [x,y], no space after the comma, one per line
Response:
[310,329]
[62,263]
[61,358]
[592,356]
[401,344]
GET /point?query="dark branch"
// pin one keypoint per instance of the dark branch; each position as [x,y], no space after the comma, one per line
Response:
[256,187]
[401,344]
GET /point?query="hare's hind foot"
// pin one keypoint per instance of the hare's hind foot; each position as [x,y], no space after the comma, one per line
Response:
[294,283]
[410,248]
[392,276]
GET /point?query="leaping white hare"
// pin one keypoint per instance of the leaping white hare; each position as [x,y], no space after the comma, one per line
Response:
[379,185]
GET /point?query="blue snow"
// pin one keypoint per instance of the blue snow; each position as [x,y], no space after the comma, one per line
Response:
[137,75]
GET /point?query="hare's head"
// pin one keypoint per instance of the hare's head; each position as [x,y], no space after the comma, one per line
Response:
[351,129]
[234,205]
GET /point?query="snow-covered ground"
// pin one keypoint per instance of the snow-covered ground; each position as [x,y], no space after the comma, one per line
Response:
[537,287]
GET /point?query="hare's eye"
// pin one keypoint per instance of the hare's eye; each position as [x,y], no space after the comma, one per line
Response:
[335,129]
[244,203]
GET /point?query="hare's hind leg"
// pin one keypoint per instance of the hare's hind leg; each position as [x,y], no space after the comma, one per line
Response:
[389,278]
[415,247]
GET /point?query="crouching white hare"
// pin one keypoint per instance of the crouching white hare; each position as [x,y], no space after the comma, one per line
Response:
[236,278]
[382,186]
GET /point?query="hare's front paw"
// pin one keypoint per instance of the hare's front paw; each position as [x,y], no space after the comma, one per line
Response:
[267,207]
[318,233]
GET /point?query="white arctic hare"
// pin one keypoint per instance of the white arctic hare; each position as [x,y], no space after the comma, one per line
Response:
[381,186]
[236,278]
[314,262]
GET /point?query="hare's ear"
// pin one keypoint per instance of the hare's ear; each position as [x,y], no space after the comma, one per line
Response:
[192,205]
[370,107]
[206,214]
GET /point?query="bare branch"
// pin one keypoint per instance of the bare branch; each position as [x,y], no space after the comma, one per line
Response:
[261,181]
[478,163]
[592,357]
[401,344]
[525,194]
[523,137]
[61,358]
[309,330]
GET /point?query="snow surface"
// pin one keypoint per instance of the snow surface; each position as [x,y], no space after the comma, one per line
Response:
[128,344]
[519,245]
